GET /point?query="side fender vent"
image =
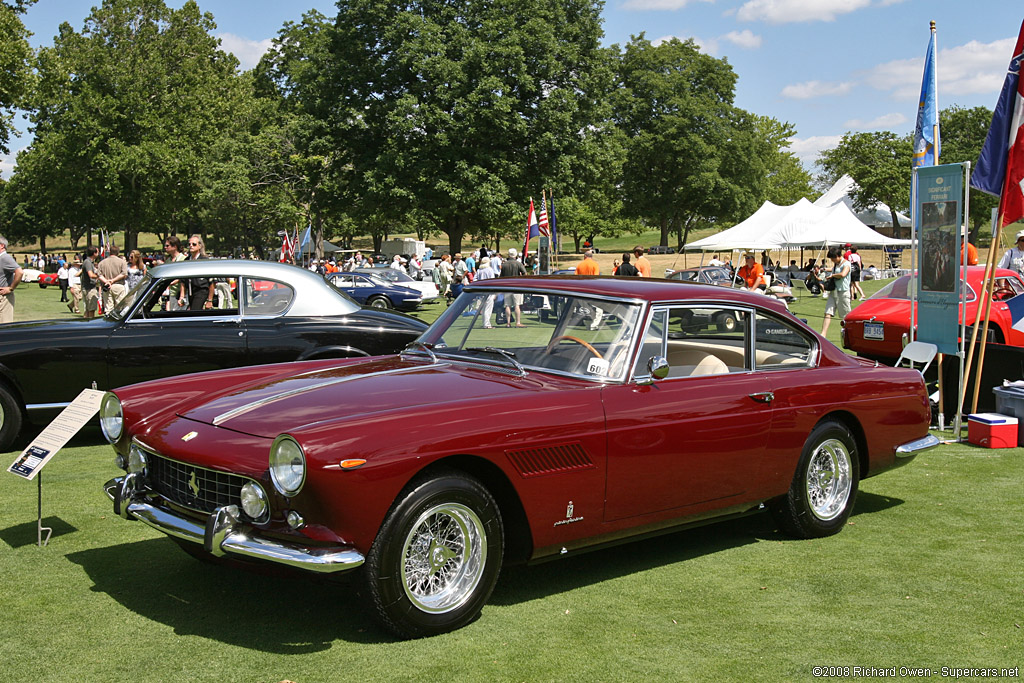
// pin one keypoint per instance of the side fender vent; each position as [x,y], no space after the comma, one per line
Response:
[534,462]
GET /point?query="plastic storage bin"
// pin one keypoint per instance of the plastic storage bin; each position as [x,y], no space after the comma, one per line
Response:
[1010,401]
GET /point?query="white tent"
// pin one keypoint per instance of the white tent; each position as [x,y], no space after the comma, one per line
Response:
[878,215]
[799,225]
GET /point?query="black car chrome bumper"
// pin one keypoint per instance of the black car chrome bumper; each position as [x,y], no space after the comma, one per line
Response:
[224,533]
[912,448]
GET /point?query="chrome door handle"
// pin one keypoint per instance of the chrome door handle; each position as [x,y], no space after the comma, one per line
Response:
[763,397]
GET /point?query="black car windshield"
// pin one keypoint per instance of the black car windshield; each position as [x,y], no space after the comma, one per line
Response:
[561,333]
[122,307]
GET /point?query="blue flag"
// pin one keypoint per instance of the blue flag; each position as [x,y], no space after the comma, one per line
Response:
[926,134]
[1016,306]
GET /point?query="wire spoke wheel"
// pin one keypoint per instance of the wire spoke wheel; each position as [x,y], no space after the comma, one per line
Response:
[829,480]
[444,558]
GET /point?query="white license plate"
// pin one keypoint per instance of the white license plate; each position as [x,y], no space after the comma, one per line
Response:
[874,330]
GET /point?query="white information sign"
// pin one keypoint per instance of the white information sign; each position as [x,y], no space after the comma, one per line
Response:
[56,434]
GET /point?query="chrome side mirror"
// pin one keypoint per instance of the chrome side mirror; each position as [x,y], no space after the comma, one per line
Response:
[657,368]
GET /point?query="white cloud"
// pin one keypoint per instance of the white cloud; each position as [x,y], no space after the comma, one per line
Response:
[745,39]
[658,4]
[788,11]
[812,89]
[248,52]
[6,166]
[808,149]
[971,69]
[885,121]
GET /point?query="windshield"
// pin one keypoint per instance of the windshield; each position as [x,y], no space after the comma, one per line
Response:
[121,308]
[559,333]
[904,288]
[718,276]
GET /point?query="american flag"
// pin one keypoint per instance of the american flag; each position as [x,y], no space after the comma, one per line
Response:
[287,249]
[543,222]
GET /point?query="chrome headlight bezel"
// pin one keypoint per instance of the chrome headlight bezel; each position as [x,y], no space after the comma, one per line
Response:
[111,417]
[255,502]
[287,465]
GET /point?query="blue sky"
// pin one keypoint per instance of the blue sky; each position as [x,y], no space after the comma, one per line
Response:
[826,66]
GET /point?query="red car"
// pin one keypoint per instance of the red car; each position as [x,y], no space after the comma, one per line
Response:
[47,280]
[622,415]
[880,326]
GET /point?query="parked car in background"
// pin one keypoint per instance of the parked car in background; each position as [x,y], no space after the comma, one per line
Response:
[536,441]
[396,277]
[705,275]
[375,291]
[47,280]
[30,275]
[880,326]
[266,313]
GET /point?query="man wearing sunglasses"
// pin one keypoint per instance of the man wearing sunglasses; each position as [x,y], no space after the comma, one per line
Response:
[1014,256]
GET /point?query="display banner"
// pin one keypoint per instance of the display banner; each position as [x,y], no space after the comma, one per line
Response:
[57,433]
[544,256]
[938,215]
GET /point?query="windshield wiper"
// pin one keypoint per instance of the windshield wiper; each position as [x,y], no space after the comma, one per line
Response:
[429,348]
[504,353]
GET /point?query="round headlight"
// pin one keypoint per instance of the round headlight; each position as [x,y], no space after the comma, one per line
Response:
[287,465]
[136,459]
[254,501]
[111,417]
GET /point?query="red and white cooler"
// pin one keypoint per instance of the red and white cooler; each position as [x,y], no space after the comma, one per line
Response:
[992,430]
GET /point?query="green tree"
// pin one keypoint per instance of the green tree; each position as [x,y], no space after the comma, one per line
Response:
[692,159]
[880,162]
[462,110]
[15,66]
[134,103]
[963,134]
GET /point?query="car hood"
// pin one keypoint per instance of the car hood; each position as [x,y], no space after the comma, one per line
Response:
[285,403]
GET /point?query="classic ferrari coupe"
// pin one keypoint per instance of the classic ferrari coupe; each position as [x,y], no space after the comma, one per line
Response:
[628,410]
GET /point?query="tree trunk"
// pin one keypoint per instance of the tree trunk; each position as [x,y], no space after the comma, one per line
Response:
[895,224]
[456,231]
[664,232]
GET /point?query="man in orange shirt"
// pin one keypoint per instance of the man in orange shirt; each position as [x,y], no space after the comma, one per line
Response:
[752,273]
[972,254]
[588,266]
[641,262]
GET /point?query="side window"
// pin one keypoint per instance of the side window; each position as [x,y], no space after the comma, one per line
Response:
[697,340]
[225,294]
[266,297]
[1006,288]
[779,344]
[163,300]
[653,343]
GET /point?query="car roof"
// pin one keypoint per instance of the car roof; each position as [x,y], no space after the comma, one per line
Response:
[313,296]
[652,290]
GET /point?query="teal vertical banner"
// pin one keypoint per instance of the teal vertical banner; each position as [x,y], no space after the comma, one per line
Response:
[938,217]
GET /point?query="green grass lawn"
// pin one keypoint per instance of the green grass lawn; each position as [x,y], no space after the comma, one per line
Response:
[928,573]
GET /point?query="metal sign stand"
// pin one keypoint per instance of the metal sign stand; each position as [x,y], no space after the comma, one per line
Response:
[39,515]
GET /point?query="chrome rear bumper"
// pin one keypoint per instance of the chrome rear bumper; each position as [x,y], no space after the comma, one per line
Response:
[224,533]
[912,448]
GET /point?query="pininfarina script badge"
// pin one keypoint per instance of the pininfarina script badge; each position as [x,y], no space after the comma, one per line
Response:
[190,436]
[569,519]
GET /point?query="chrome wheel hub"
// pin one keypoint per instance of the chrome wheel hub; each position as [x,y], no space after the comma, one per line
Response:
[443,558]
[829,480]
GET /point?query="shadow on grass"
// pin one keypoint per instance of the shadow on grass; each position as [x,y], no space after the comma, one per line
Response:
[269,613]
[28,533]
[266,610]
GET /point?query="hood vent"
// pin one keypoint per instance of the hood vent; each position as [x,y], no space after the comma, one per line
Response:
[534,462]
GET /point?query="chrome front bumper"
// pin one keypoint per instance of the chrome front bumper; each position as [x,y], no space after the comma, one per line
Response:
[224,533]
[912,448]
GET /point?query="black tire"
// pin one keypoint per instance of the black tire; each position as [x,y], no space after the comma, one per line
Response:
[726,321]
[10,418]
[824,488]
[421,584]
[381,302]
[42,285]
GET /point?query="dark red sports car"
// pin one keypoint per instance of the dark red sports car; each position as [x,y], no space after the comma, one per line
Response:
[880,326]
[628,412]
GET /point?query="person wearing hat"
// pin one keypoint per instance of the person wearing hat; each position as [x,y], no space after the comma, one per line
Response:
[752,273]
[1014,256]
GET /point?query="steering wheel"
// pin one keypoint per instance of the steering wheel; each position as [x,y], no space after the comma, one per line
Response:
[1002,293]
[588,347]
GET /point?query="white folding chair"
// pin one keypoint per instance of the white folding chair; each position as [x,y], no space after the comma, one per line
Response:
[918,352]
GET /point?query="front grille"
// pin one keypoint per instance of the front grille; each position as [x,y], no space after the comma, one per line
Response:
[196,488]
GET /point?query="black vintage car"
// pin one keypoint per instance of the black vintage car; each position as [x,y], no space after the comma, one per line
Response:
[262,313]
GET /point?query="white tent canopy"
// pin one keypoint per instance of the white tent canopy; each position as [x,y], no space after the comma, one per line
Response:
[799,225]
[878,215]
